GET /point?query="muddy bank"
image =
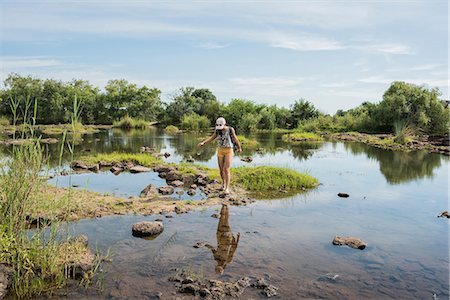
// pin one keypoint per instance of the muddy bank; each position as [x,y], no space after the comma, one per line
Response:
[435,144]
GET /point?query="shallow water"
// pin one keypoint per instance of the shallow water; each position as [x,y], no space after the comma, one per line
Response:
[394,200]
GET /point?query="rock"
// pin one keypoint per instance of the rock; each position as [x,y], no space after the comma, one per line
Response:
[190,159]
[191,192]
[94,168]
[166,190]
[83,239]
[145,228]
[83,264]
[180,210]
[166,154]
[270,291]
[164,169]
[215,215]
[5,279]
[169,216]
[349,241]
[201,181]
[199,245]
[140,169]
[444,214]
[104,164]
[259,283]
[174,175]
[49,141]
[78,165]
[149,191]
[343,195]
[193,186]
[175,183]
[247,159]
[116,170]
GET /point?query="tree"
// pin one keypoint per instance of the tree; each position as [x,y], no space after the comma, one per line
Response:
[303,110]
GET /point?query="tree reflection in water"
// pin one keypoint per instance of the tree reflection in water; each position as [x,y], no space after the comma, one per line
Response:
[399,166]
[226,242]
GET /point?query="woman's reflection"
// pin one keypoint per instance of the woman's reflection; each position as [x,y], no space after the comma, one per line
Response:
[226,243]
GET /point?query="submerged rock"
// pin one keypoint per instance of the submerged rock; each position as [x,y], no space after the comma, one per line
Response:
[144,228]
[444,214]
[352,242]
[166,190]
[191,192]
[343,195]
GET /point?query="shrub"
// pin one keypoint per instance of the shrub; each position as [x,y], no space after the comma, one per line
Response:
[301,136]
[128,122]
[143,159]
[171,129]
[194,122]
[4,121]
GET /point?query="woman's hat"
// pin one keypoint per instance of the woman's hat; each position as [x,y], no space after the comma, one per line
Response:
[220,123]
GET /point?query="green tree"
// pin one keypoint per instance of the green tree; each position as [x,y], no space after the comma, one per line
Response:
[303,110]
[195,122]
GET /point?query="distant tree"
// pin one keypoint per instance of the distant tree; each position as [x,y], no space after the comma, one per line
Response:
[303,110]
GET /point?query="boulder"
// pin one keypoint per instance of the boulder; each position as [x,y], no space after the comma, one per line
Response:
[444,214]
[104,164]
[164,169]
[352,242]
[94,168]
[166,190]
[175,183]
[140,169]
[191,192]
[116,170]
[149,191]
[144,229]
[78,165]
[174,175]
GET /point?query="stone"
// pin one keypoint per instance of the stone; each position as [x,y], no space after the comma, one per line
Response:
[193,186]
[94,168]
[78,165]
[145,228]
[247,159]
[83,239]
[175,183]
[116,170]
[343,195]
[352,242]
[149,191]
[270,291]
[444,214]
[191,192]
[166,190]
[190,159]
[174,175]
[215,215]
[140,169]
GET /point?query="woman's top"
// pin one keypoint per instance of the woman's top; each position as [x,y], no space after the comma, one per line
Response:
[224,138]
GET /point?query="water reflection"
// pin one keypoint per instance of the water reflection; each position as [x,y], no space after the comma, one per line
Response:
[399,166]
[226,242]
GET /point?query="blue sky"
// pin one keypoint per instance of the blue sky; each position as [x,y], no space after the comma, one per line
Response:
[335,54]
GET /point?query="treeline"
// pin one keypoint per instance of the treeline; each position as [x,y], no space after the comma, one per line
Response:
[195,109]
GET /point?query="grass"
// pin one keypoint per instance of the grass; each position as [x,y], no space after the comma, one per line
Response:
[248,143]
[143,159]
[4,121]
[77,128]
[403,132]
[128,123]
[301,136]
[172,129]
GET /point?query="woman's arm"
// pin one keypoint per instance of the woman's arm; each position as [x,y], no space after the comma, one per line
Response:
[211,138]
[239,148]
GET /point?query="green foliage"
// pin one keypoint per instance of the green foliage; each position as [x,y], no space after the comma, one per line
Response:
[303,110]
[4,121]
[194,122]
[248,143]
[128,122]
[171,129]
[403,132]
[301,137]
[143,159]
[266,178]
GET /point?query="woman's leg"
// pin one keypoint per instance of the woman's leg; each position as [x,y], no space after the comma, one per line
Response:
[227,173]
[220,160]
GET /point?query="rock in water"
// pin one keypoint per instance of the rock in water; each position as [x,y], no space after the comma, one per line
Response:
[139,169]
[175,183]
[343,195]
[144,229]
[349,241]
[444,214]
[247,159]
[166,190]
[191,192]
[148,191]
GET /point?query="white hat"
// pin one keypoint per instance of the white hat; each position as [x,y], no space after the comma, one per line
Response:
[220,123]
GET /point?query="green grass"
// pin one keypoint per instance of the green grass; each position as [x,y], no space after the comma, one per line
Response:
[143,159]
[77,128]
[248,143]
[171,129]
[301,136]
[128,123]
[4,121]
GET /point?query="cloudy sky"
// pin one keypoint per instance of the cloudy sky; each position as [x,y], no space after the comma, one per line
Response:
[335,54]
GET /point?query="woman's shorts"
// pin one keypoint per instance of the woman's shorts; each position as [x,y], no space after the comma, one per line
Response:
[221,152]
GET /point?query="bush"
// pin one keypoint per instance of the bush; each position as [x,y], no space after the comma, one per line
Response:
[4,121]
[171,129]
[248,143]
[301,137]
[194,122]
[128,123]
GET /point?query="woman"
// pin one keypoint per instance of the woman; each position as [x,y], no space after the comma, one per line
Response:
[225,138]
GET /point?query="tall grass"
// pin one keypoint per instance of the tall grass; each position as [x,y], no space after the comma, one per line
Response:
[403,132]
[143,159]
[127,123]
[4,121]
[301,136]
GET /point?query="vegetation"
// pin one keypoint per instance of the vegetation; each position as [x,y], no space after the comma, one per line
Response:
[248,143]
[195,122]
[4,121]
[171,129]
[143,159]
[196,109]
[301,137]
[127,123]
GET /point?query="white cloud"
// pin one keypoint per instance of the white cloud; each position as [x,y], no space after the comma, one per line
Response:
[212,45]
[432,82]
[387,48]
[304,43]
[16,62]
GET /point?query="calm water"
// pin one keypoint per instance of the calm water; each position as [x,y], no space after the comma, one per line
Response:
[394,200]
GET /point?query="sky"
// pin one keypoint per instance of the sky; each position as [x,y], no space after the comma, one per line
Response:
[335,54]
